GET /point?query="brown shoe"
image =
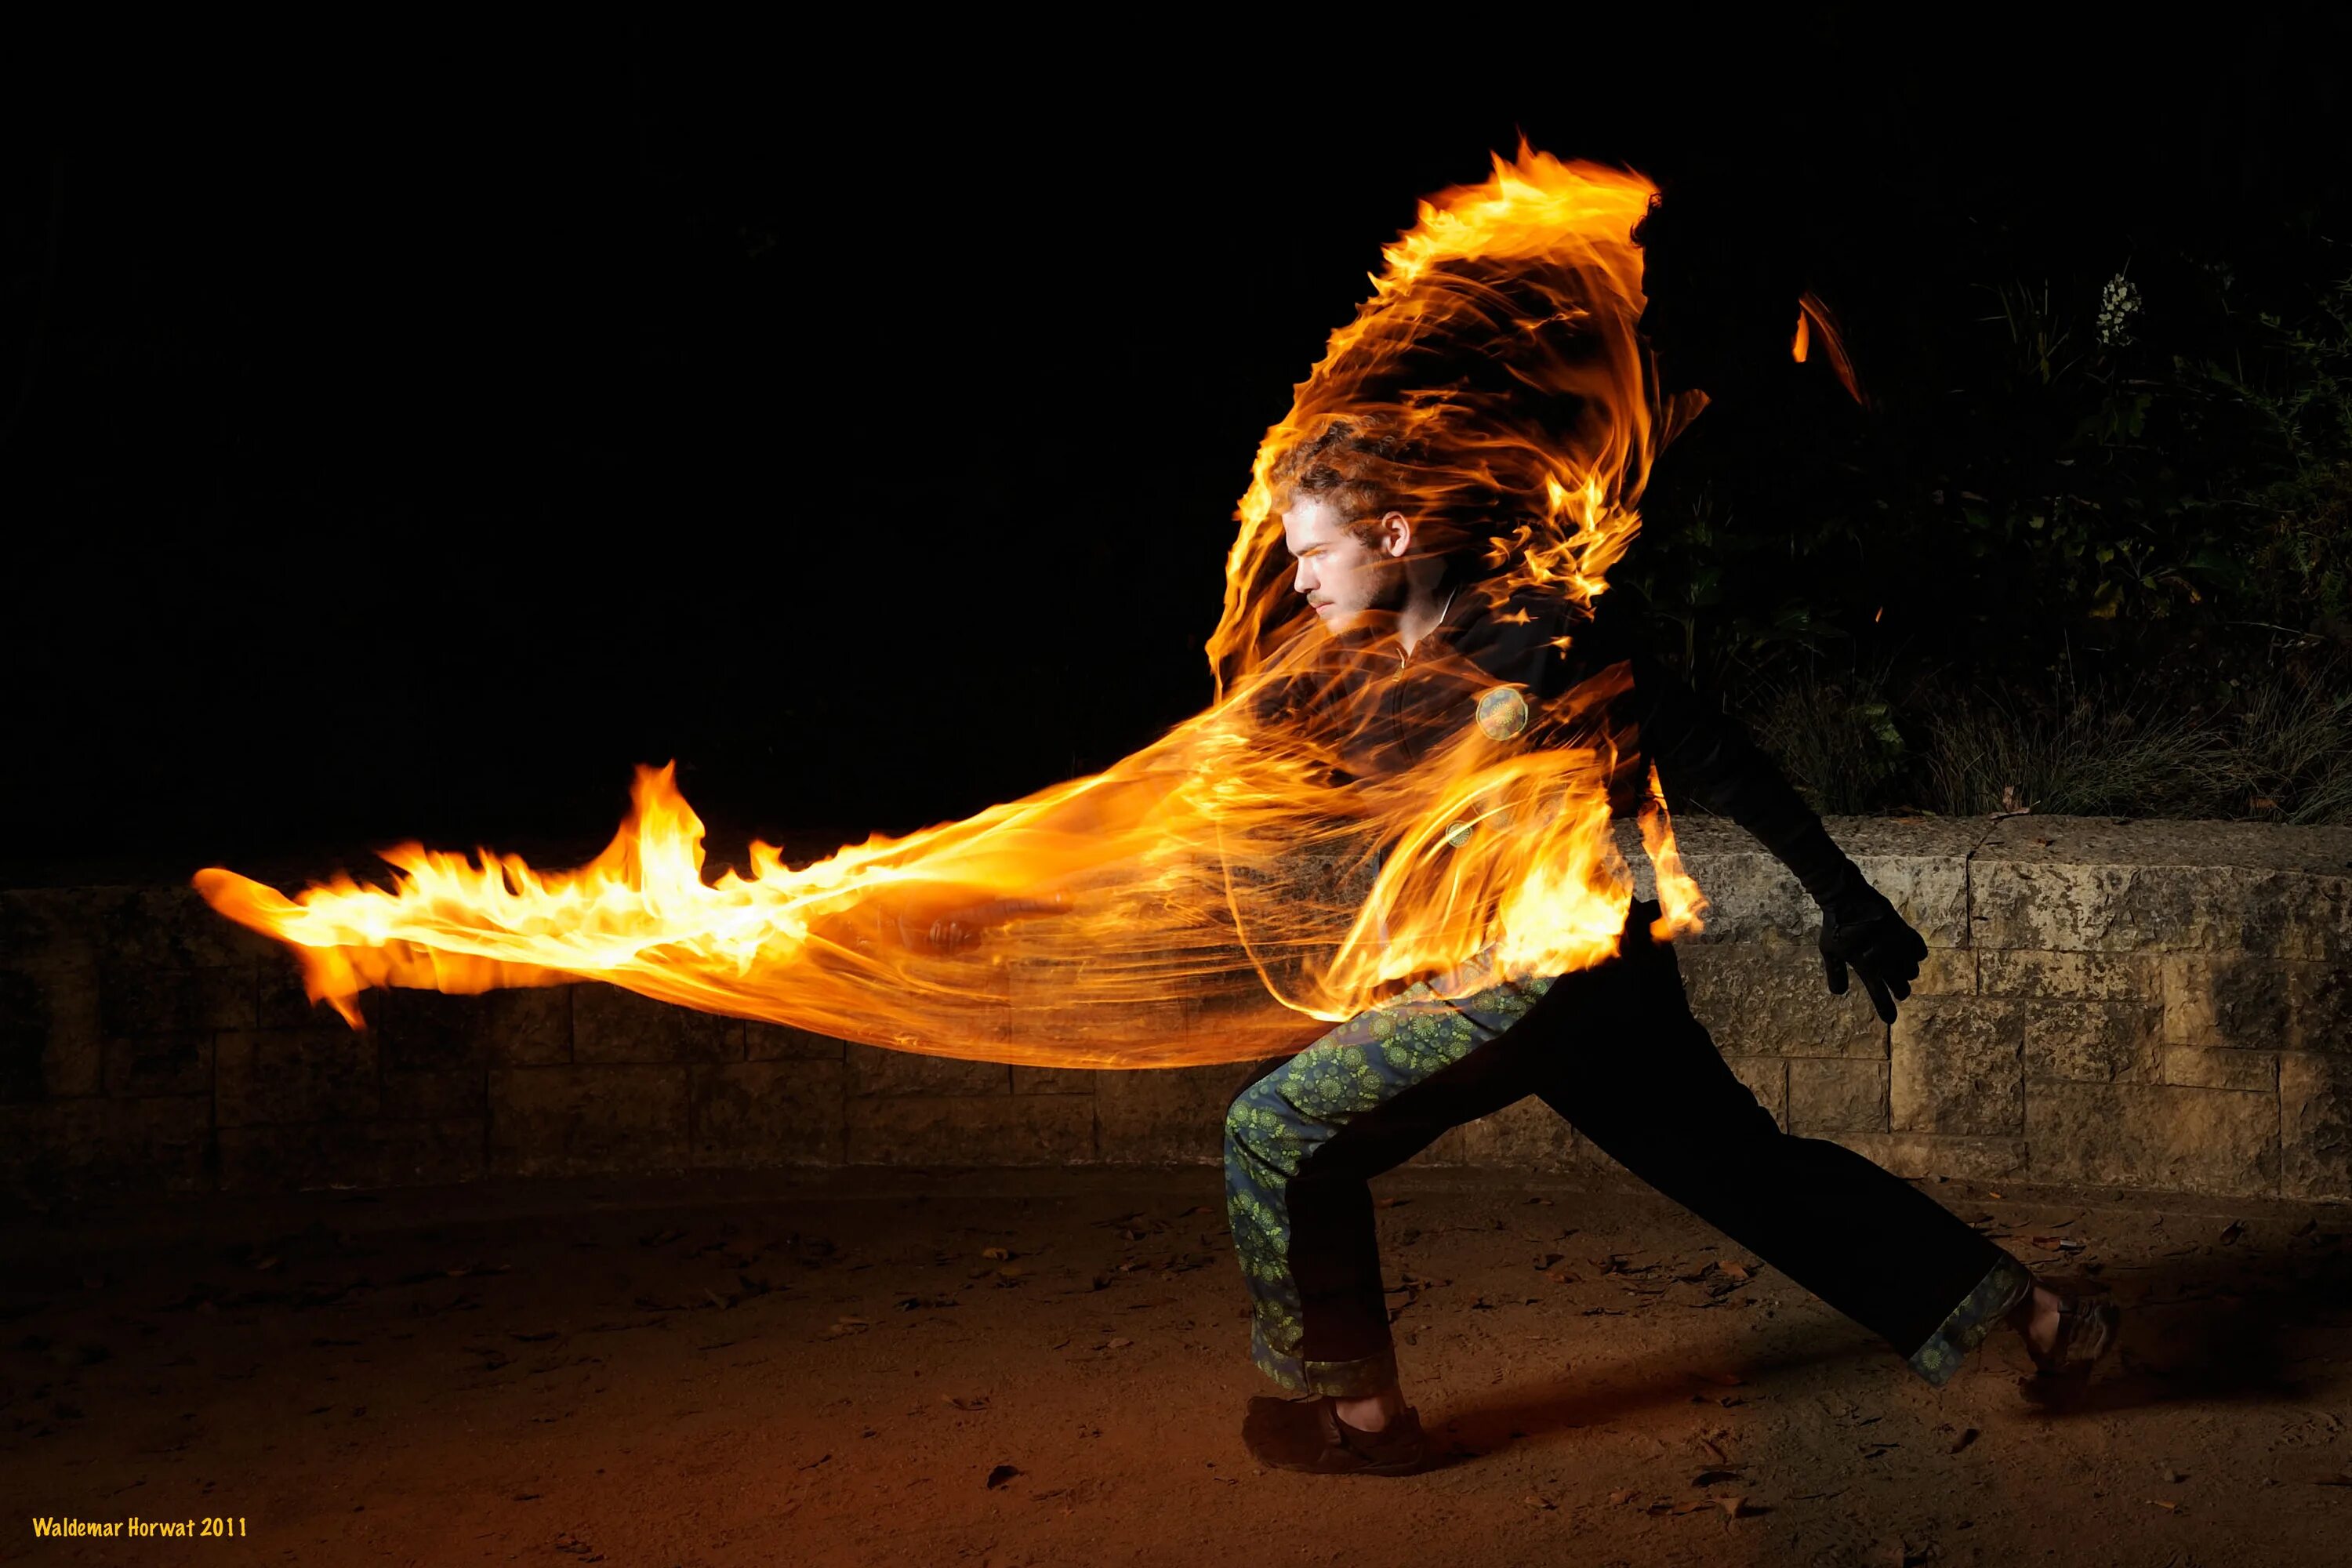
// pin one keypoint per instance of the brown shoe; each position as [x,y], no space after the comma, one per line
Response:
[2088,1319]
[1307,1435]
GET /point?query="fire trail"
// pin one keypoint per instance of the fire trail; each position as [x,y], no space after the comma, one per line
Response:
[1227,890]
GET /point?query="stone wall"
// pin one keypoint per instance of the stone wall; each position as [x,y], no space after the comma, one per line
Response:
[2155,1005]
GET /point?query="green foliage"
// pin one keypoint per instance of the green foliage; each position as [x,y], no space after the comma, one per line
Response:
[2144,473]
[2087,758]
[1838,742]
[2289,752]
[2282,752]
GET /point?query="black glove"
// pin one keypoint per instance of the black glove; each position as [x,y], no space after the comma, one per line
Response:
[1860,928]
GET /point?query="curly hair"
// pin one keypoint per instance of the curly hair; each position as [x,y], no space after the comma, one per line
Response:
[1362,466]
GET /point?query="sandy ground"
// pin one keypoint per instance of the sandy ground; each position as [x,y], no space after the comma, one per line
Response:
[986,1368]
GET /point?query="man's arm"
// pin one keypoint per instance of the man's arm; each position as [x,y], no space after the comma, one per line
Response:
[1703,756]
[1708,759]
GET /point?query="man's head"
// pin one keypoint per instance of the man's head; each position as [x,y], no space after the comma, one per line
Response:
[1346,567]
[1348,518]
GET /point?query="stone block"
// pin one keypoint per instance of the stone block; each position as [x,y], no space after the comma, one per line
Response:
[2319,854]
[2314,1099]
[50,1043]
[1529,1137]
[1167,1116]
[611,1024]
[874,1070]
[170,928]
[2062,908]
[2155,1136]
[2322,1020]
[2196,1067]
[2067,977]
[1449,1150]
[584,1120]
[146,1065]
[749,1115]
[1831,1095]
[361,1154]
[1055,1080]
[1109,1033]
[2091,1042]
[37,923]
[458,1096]
[135,1001]
[295,1075]
[531,1028]
[1766,1079]
[1931,893]
[1006,1129]
[23,1037]
[784,1042]
[1591,1159]
[1922,867]
[1920,1154]
[2224,1001]
[1909,838]
[1958,1067]
[69,1148]
[424,1031]
[1751,897]
[285,1004]
[1946,972]
[2164,887]
[1233,1017]
[1768,998]
[2259,1003]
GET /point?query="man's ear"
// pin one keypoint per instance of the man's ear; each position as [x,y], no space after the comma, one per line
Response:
[1397,528]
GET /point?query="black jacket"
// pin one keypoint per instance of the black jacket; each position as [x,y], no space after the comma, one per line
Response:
[1375,710]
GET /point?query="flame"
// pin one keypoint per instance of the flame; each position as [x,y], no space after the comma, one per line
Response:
[1227,890]
[1815,317]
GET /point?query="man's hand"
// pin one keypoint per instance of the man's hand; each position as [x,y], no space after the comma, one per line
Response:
[949,931]
[1861,929]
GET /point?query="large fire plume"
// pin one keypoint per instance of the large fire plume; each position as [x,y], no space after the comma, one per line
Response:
[1223,892]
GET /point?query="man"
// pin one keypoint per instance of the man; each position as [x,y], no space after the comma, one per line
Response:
[1614,1048]
[1398,519]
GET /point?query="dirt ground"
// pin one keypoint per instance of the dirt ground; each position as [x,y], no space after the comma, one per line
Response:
[988,1368]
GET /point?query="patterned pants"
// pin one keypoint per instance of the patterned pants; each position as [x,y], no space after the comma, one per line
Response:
[1616,1051]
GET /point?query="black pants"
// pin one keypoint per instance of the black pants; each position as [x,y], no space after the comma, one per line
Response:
[1616,1051]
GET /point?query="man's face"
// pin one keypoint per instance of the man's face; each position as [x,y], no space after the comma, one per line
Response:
[1345,579]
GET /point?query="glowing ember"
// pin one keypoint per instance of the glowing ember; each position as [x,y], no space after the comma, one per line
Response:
[1218,895]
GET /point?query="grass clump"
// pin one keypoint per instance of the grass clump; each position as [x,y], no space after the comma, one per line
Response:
[2279,751]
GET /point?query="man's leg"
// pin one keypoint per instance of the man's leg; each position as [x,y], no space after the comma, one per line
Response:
[1303,1141]
[1640,1076]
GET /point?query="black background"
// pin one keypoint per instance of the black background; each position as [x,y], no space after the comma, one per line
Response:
[408,432]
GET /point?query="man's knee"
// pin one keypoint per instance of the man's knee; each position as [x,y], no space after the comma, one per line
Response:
[1264,1128]
[1254,1075]
[1247,1114]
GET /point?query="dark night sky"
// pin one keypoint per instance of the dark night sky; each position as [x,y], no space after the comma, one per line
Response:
[410,434]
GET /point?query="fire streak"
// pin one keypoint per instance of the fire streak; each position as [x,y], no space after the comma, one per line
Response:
[1218,895]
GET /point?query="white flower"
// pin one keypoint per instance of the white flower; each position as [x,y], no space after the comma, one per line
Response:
[2117,304]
